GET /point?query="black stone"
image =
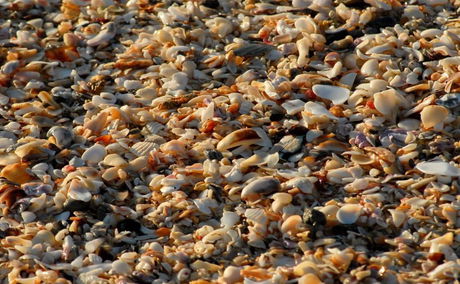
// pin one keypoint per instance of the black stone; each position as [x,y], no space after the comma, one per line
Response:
[314,217]
[213,155]
[77,205]
[129,225]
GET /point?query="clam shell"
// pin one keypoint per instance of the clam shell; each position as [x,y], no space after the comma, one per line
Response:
[438,168]
[386,102]
[77,191]
[94,154]
[349,213]
[337,95]
[432,115]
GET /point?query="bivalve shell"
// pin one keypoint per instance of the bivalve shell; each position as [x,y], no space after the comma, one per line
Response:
[349,213]
[337,95]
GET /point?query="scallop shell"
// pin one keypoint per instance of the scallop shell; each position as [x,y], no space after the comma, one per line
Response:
[337,95]
[349,213]
[438,168]
[143,148]
[256,216]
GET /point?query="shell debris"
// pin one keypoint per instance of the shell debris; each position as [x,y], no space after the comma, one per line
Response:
[225,141]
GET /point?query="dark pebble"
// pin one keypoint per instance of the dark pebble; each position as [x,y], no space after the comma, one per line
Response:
[213,155]
[129,225]
[314,217]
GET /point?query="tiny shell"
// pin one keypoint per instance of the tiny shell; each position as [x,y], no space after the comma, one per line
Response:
[432,115]
[349,213]
[438,168]
[337,95]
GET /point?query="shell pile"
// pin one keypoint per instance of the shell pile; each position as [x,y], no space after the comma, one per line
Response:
[227,141]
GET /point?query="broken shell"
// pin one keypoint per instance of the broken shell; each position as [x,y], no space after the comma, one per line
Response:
[16,173]
[438,168]
[337,95]
[349,213]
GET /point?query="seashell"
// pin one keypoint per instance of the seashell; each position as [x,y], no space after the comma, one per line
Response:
[247,136]
[36,188]
[104,36]
[318,110]
[293,106]
[438,168]
[451,100]
[78,191]
[258,187]
[114,160]
[386,102]
[309,278]
[292,224]
[174,148]
[256,216]
[8,159]
[94,154]
[349,213]
[232,274]
[143,148]
[337,95]
[432,115]
[409,124]
[229,219]
[281,199]
[253,49]
[16,173]
[121,267]
[93,245]
[62,136]
[304,184]
[398,217]
[370,67]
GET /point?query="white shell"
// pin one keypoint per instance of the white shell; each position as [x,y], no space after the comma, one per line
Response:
[78,192]
[438,168]
[94,154]
[349,213]
[293,106]
[432,115]
[317,109]
[229,219]
[337,95]
[115,160]
[256,216]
